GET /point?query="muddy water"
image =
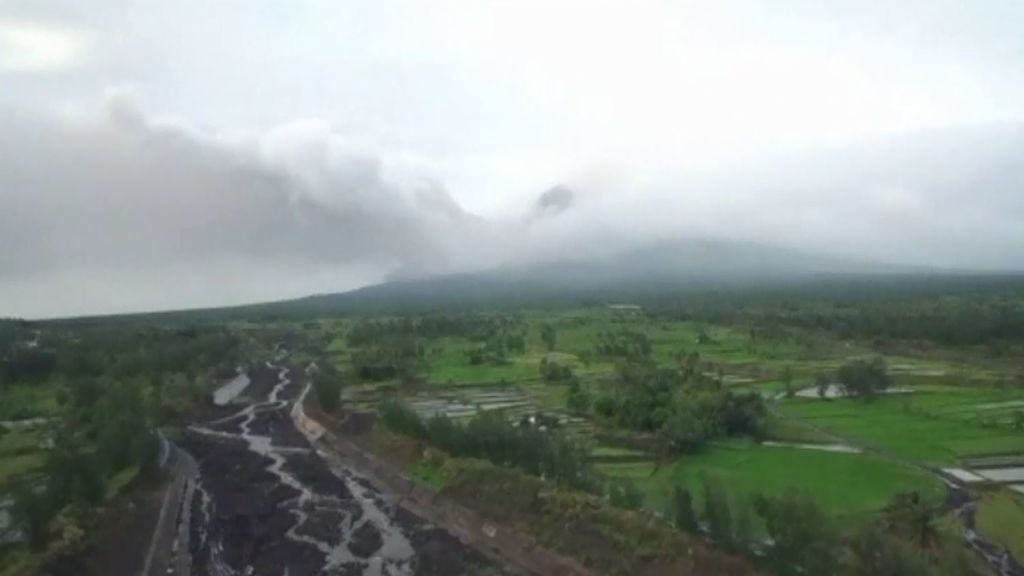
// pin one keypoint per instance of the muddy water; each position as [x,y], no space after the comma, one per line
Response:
[266,503]
[231,389]
[840,448]
[7,535]
[965,507]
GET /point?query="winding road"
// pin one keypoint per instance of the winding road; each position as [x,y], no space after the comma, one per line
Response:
[170,534]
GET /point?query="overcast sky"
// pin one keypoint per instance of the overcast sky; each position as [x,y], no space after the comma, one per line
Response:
[171,154]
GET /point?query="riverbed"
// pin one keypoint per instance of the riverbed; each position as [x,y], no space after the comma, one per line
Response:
[267,503]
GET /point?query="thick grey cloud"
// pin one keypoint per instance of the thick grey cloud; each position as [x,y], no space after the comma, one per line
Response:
[316,146]
[121,198]
[120,211]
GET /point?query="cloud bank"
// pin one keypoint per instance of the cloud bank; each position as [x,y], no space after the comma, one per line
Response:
[119,210]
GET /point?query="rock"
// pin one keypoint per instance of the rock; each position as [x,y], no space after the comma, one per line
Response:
[365,540]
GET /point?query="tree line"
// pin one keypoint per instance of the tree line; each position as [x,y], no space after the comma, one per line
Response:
[111,385]
[490,436]
[799,538]
[682,405]
[966,317]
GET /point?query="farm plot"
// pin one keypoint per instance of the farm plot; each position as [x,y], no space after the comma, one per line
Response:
[1001,517]
[449,364]
[928,426]
[21,452]
[847,484]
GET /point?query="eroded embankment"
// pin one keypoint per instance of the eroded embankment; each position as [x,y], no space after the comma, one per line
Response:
[519,518]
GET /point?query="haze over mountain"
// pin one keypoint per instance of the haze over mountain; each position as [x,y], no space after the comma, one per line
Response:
[144,167]
[657,270]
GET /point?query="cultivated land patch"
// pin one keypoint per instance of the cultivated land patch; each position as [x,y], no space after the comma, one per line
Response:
[844,483]
[1001,518]
[29,401]
[958,408]
[927,426]
[21,452]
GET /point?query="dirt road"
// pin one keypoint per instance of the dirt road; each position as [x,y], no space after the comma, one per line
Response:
[170,535]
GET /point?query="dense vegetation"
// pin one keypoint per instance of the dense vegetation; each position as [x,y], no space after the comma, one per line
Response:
[685,407]
[979,311]
[660,409]
[490,436]
[102,390]
[688,383]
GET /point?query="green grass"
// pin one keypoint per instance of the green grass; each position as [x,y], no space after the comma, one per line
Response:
[789,430]
[118,482]
[448,363]
[844,484]
[20,454]
[579,335]
[429,474]
[549,397]
[28,401]
[1001,518]
[924,426]
[12,467]
[937,425]
[615,451]
[16,560]
[337,344]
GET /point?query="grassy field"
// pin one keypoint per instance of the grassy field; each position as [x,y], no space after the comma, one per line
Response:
[28,401]
[845,484]
[929,426]
[790,430]
[20,453]
[956,411]
[448,363]
[1001,518]
[578,334]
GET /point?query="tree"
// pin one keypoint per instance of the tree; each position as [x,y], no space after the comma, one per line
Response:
[864,378]
[686,427]
[549,336]
[821,384]
[31,512]
[327,386]
[122,425]
[683,516]
[444,434]
[877,553]
[910,517]
[577,399]
[552,371]
[604,406]
[716,512]
[624,494]
[805,540]
[743,532]
[400,418]
[787,380]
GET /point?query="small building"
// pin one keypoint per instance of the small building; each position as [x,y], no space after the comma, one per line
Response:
[625,308]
